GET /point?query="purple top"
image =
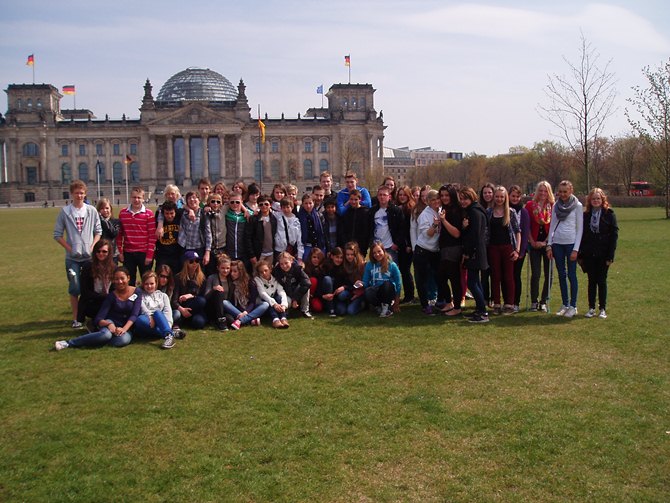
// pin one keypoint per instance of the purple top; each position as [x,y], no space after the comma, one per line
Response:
[120,311]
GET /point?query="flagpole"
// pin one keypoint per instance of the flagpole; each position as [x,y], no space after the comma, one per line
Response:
[33,65]
[260,146]
[97,170]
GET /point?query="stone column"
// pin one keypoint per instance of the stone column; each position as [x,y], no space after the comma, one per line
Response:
[43,178]
[205,156]
[170,159]
[152,159]
[222,155]
[238,169]
[74,169]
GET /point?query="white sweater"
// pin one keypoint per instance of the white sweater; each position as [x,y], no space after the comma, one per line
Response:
[569,231]
[157,301]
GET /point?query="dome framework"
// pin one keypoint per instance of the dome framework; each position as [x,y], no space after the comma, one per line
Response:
[199,84]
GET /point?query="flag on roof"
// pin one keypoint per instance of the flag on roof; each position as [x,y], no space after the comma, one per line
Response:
[31,60]
[68,90]
[347,60]
[261,127]
[319,90]
[128,159]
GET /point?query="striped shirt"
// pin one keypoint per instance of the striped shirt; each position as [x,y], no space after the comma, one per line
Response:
[138,232]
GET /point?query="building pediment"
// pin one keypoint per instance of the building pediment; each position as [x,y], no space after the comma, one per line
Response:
[193,114]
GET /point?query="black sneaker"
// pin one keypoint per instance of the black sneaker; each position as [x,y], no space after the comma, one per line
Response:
[308,315]
[222,325]
[479,318]
[168,343]
[178,333]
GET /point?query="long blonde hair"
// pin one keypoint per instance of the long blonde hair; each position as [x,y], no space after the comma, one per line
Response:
[198,278]
[550,194]
[505,205]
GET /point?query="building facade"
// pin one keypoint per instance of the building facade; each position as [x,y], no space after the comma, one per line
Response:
[401,162]
[199,125]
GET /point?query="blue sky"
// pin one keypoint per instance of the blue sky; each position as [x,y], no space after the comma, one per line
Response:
[458,76]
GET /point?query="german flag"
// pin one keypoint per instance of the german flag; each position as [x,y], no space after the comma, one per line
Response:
[31,60]
[347,60]
[68,90]
[261,127]
[128,159]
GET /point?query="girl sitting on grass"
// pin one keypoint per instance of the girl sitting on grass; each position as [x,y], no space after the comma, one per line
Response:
[187,298]
[96,280]
[115,319]
[351,299]
[156,317]
[337,277]
[321,283]
[242,304]
[381,280]
[271,291]
[217,290]
[295,282]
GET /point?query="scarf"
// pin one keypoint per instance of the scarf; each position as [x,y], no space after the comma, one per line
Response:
[595,221]
[563,209]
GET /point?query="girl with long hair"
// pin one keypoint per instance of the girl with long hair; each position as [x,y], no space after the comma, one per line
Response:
[523,220]
[381,280]
[321,282]
[503,249]
[110,225]
[155,319]
[405,201]
[427,249]
[334,270]
[421,204]
[350,300]
[188,299]
[539,211]
[271,291]
[96,280]
[451,251]
[565,236]
[242,304]
[599,240]
[217,290]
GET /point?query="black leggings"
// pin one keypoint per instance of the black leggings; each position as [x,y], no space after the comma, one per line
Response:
[596,271]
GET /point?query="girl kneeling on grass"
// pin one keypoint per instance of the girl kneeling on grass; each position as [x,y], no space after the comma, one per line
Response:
[295,282]
[156,317]
[117,315]
[242,304]
[381,279]
[271,291]
[321,289]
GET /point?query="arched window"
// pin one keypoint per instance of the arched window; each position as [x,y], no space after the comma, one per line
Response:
[19,104]
[134,172]
[117,170]
[38,103]
[65,173]
[274,170]
[29,104]
[31,150]
[307,170]
[83,171]
[101,171]
[323,165]
[258,171]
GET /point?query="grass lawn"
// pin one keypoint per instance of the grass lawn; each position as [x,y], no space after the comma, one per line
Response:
[528,407]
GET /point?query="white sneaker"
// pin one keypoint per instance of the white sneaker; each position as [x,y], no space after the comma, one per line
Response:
[590,313]
[570,312]
[385,311]
[602,315]
[61,345]
[543,308]
[77,325]
[562,311]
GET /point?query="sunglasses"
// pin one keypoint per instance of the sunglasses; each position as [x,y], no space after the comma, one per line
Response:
[163,276]
[234,202]
[105,252]
[214,201]
[192,261]
[263,204]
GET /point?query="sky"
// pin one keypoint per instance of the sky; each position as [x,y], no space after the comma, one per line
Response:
[457,76]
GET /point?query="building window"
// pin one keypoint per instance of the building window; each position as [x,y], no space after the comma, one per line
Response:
[65,174]
[82,149]
[117,172]
[98,149]
[65,150]
[354,103]
[83,172]
[258,170]
[308,146]
[179,160]
[31,150]
[257,147]
[29,197]
[213,158]
[31,175]
[116,149]
[29,104]
[38,103]
[275,147]
[133,149]
[19,104]
[291,148]
[197,157]
[323,165]
[323,146]
[274,170]
[307,170]
[361,103]
[134,172]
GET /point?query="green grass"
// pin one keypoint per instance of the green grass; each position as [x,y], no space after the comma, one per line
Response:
[526,408]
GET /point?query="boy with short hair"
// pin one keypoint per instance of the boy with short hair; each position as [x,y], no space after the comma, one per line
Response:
[137,240]
[204,188]
[289,234]
[354,225]
[351,183]
[80,223]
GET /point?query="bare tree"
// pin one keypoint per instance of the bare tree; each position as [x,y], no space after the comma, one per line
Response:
[653,105]
[580,103]
[629,159]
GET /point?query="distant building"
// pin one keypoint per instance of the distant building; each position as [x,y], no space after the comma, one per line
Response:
[199,125]
[399,162]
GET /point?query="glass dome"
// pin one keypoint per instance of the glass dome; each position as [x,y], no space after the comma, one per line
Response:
[197,84]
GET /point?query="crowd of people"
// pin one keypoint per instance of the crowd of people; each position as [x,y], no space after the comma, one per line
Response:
[233,257]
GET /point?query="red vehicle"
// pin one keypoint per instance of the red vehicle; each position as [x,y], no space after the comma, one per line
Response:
[643,189]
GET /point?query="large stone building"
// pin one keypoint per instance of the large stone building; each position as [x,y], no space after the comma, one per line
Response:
[199,125]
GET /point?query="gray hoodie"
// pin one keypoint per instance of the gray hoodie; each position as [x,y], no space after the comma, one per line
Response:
[81,242]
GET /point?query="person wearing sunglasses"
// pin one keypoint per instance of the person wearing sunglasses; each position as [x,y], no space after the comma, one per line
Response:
[236,224]
[215,211]
[96,281]
[260,233]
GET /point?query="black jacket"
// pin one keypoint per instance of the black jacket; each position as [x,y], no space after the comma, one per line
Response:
[474,238]
[395,221]
[295,281]
[603,244]
[254,234]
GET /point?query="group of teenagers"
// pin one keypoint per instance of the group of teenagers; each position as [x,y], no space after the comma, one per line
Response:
[232,257]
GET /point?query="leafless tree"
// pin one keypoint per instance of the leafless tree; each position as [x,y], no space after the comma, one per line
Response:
[653,105]
[580,103]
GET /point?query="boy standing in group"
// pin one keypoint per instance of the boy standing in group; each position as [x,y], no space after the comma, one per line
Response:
[351,183]
[137,240]
[80,222]
[386,223]
[204,188]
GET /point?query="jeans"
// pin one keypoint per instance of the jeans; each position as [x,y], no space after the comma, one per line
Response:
[100,338]
[345,304]
[502,272]
[380,294]
[475,286]
[256,312]
[135,261]
[73,271]
[198,318]
[161,326]
[538,258]
[405,263]
[426,265]
[562,257]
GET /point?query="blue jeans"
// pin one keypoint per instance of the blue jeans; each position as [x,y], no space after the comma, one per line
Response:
[426,265]
[100,338]
[161,326]
[346,305]
[475,286]
[198,318]
[74,287]
[256,312]
[562,257]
